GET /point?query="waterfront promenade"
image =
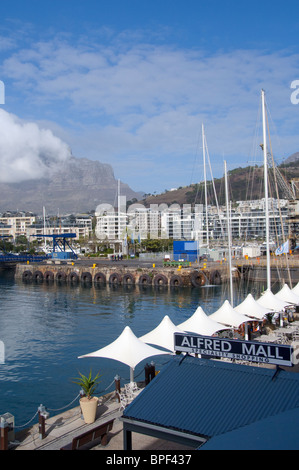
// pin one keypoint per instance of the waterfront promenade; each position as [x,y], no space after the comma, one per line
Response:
[61,429]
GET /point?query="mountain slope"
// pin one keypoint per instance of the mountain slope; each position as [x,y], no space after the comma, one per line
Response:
[78,185]
[244,184]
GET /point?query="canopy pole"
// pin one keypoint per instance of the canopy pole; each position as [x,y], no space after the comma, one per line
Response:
[246,331]
[131,374]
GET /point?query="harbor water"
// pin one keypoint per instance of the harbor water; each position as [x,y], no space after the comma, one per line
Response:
[45,327]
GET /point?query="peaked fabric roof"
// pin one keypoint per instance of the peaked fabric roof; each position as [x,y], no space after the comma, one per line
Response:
[201,324]
[287,295]
[251,308]
[127,348]
[296,289]
[269,300]
[163,334]
[209,398]
[227,315]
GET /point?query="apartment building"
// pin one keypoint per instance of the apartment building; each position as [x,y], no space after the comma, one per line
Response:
[14,225]
[248,222]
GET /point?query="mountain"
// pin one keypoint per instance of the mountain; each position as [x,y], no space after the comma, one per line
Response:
[292,158]
[244,184]
[78,185]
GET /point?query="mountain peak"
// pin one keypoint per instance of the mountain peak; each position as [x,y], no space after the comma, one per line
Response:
[78,185]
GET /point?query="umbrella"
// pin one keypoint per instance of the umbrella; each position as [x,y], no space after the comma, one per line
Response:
[201,324]
[163,334]
[252,308]
[128,349]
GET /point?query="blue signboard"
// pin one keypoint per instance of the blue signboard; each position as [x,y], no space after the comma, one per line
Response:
[214,347]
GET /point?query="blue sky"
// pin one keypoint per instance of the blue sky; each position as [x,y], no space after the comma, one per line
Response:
[130,83]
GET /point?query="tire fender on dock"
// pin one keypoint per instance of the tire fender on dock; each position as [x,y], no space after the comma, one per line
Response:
[38,276]
[86,277]
[176,281]
[198,279]
[99,278]
[73,277]
[215,278]
[49,276]
[145,280]
[128,279]
[61,276]
[27,275]
[160,280]
[115,278]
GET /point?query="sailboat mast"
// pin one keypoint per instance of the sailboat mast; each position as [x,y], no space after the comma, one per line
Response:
[44,217]
[266,192]
[205,177]
[229,237]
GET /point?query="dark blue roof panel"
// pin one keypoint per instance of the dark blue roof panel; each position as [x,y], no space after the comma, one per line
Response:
[279,432]
[208,397]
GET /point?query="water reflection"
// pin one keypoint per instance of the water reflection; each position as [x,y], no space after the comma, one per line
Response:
[46,326]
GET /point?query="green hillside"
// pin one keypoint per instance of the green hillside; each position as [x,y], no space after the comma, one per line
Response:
[244,184]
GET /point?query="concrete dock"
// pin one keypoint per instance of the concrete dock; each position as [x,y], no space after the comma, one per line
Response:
[142,273]
[62,428]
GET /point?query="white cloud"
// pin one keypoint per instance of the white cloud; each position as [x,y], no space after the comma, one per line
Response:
[148,101]
[27,151]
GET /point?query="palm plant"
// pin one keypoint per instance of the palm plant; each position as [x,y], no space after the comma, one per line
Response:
[87,383]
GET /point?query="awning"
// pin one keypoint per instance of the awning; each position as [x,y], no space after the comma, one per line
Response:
[162,335]
[201,324]
[128,349]
[251,308]
[227,315]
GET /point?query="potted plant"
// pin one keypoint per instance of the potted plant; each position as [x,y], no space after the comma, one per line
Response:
[88,403]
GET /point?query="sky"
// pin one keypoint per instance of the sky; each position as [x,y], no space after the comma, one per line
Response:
[131,83]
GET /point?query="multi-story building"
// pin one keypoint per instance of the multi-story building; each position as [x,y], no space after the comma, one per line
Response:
[16,224]
[248,222]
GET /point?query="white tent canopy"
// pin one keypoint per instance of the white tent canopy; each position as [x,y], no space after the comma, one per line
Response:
[271,302]
[163,334]
[227,315]
[128,349]
[201,324]
[287,295]
[251,308]
[296,289]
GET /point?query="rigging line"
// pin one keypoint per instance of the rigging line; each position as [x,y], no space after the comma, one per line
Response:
[215,193]
[195,158]
[279,208]
[275,228]
[255,162]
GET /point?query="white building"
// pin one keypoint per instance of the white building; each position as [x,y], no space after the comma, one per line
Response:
[16,225]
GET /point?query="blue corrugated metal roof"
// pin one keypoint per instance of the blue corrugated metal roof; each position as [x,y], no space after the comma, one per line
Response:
[279,432]
[207,397]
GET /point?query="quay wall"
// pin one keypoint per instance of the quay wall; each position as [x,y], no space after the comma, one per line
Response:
[73,272]
[259,274]
[122,274]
